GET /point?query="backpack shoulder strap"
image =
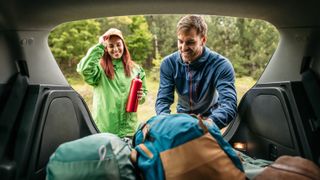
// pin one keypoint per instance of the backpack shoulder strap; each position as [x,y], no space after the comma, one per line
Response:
[202,125]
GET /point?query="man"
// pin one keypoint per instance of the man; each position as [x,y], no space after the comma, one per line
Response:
[203,79]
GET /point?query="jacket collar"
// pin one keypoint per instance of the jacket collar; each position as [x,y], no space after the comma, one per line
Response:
[117,63]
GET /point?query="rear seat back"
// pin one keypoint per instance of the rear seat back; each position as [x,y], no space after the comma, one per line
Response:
[274,121]
[62,116]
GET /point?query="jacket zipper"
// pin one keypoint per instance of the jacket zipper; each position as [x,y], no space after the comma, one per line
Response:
[190,89]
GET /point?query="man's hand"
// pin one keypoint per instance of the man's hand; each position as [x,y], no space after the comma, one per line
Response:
[221,130]
[207,119]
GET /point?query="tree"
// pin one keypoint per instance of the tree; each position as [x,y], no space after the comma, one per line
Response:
[248,43]
[69,42]
[140,40]
[120,22]
[163,27]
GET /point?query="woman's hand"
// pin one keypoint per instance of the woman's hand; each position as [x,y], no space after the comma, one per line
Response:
[102,40]
[140,94]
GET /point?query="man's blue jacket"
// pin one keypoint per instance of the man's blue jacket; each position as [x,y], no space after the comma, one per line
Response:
[205,86]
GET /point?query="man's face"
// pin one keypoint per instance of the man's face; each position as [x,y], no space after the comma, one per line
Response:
[115,47]
[190,45]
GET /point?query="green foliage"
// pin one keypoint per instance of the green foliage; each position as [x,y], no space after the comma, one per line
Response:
[155,72]
[163,27]
[70,41]
[120,22]
[140,40]
[248,43]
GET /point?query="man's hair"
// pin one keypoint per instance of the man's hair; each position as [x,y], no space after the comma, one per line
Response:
[197,22]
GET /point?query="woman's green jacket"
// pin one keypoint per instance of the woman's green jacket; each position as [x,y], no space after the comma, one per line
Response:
[110,95]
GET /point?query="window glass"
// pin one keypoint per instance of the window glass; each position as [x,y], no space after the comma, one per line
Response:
[247,43]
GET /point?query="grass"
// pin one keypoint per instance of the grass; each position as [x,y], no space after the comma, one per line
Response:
[147,110]
[243,84]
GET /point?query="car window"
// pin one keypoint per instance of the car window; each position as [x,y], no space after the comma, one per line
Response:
[247,43]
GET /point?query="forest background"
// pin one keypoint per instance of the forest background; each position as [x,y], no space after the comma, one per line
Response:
[247,43]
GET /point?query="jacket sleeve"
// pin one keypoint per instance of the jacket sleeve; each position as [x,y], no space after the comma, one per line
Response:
[226,109]
[144,85]
[89,66]
[165,95]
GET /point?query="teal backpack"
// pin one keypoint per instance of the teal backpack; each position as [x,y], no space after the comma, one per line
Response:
[185,147]
[98,156]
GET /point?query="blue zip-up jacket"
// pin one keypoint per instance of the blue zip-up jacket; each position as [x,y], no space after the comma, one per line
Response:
[205,86]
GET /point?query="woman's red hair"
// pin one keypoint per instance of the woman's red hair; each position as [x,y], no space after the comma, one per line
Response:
[107,66]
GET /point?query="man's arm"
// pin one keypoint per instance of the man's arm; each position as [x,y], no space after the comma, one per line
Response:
[165,95]
[227,101]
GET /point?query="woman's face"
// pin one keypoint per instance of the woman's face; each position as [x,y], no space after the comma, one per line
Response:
[115,47]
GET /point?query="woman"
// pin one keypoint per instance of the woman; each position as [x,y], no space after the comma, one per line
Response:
[109,69]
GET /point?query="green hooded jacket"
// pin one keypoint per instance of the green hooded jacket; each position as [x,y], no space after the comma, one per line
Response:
[110,95]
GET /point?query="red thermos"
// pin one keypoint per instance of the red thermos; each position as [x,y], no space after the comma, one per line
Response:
[132,103]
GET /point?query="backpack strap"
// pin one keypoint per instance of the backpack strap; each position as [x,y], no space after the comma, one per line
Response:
[134,157]
[145,131]
[134,160]
[141,126]
[201,124]
[144,127]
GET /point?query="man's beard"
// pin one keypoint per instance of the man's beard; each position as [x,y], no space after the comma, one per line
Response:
[187,56]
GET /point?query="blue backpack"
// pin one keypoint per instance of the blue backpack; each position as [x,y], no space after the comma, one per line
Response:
[182,146]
